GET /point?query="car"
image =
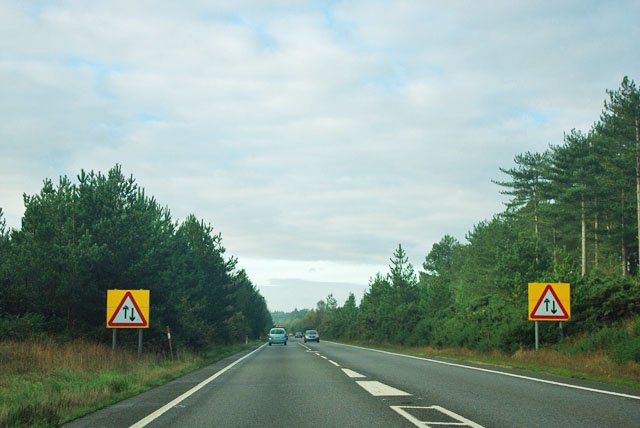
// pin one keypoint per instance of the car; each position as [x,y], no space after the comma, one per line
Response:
[278,335]
[311,335]
[298,335]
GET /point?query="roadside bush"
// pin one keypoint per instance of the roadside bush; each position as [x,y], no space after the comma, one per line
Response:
[602,300]
[628,347]
[621,342]
[604,339]
[21,327]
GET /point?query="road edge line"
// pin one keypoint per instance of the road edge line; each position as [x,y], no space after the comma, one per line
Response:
[162,410]
[550,382]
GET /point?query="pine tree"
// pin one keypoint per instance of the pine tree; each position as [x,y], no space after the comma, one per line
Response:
[529,185]
[621,122]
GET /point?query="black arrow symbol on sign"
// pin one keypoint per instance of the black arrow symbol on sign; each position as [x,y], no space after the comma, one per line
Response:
[133,315]
[554,310]
[126,308]
[546,302]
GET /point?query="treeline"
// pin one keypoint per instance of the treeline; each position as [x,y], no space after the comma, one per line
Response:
[291,320]
[79,240]
[573,217]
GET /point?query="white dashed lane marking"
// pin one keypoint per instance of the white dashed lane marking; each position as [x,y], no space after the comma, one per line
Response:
[422,417]
[352,374]
[378,389]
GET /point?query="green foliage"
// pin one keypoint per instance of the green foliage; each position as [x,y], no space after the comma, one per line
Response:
[79,240]
[628,347]
[20,327]
[621,341]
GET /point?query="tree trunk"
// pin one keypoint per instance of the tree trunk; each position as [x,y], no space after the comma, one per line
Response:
[555,247]
[584,238]
[638,184]
[535,207]
[595,237]
[623,253]
[624,259]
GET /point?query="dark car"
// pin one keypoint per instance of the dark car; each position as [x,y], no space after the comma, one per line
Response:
[311,335]
[298,335]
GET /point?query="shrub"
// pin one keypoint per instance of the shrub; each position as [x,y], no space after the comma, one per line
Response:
[21,327]
[628,347]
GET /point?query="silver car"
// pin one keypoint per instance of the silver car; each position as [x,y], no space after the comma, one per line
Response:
[311,335]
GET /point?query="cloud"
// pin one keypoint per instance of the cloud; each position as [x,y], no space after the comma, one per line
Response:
[304,131]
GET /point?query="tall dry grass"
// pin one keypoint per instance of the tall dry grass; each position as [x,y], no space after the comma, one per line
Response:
[44,383]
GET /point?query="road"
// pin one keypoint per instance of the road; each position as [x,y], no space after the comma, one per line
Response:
[333,385]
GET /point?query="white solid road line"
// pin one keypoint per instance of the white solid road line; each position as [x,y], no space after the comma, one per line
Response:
[533,379]
[378,389]
[162,410]
[352,374]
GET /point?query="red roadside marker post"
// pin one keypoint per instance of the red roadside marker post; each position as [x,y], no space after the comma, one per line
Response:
[170,347]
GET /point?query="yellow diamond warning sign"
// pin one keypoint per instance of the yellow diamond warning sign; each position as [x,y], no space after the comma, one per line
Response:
[127,308]
[549,302]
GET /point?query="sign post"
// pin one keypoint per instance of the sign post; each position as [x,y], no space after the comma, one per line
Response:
[128,309]
[170,347]
[548,302]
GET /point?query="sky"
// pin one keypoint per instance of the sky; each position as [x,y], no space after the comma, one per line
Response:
[315,136]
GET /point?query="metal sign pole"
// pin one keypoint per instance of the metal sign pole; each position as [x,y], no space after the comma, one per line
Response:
[113,340]
[537,335]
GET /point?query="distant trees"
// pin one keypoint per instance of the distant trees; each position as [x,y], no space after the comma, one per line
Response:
[78,240]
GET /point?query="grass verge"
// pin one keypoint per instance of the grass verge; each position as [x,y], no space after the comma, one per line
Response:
[592,366]
[44,384]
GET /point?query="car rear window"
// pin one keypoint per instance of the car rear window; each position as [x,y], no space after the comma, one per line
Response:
[277,331]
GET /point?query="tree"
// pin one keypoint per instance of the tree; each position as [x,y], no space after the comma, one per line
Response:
[5,254]
[529,184]
[78,240]
[441,257]
[572,175]
[348,316]
[620,121]
[436,282]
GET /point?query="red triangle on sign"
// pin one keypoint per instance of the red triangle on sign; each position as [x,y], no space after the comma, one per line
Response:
[136,322]
[546,314]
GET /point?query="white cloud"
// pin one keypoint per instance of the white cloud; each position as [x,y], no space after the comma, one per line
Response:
[304,131]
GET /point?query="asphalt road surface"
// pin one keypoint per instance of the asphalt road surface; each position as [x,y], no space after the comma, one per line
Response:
[332,385]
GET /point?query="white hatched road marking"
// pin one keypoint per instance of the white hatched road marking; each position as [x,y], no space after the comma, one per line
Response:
[428,424]
[352,374]
[533,379]
[378,389]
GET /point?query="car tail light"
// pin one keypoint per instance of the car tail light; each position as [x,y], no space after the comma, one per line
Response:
[269,336]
